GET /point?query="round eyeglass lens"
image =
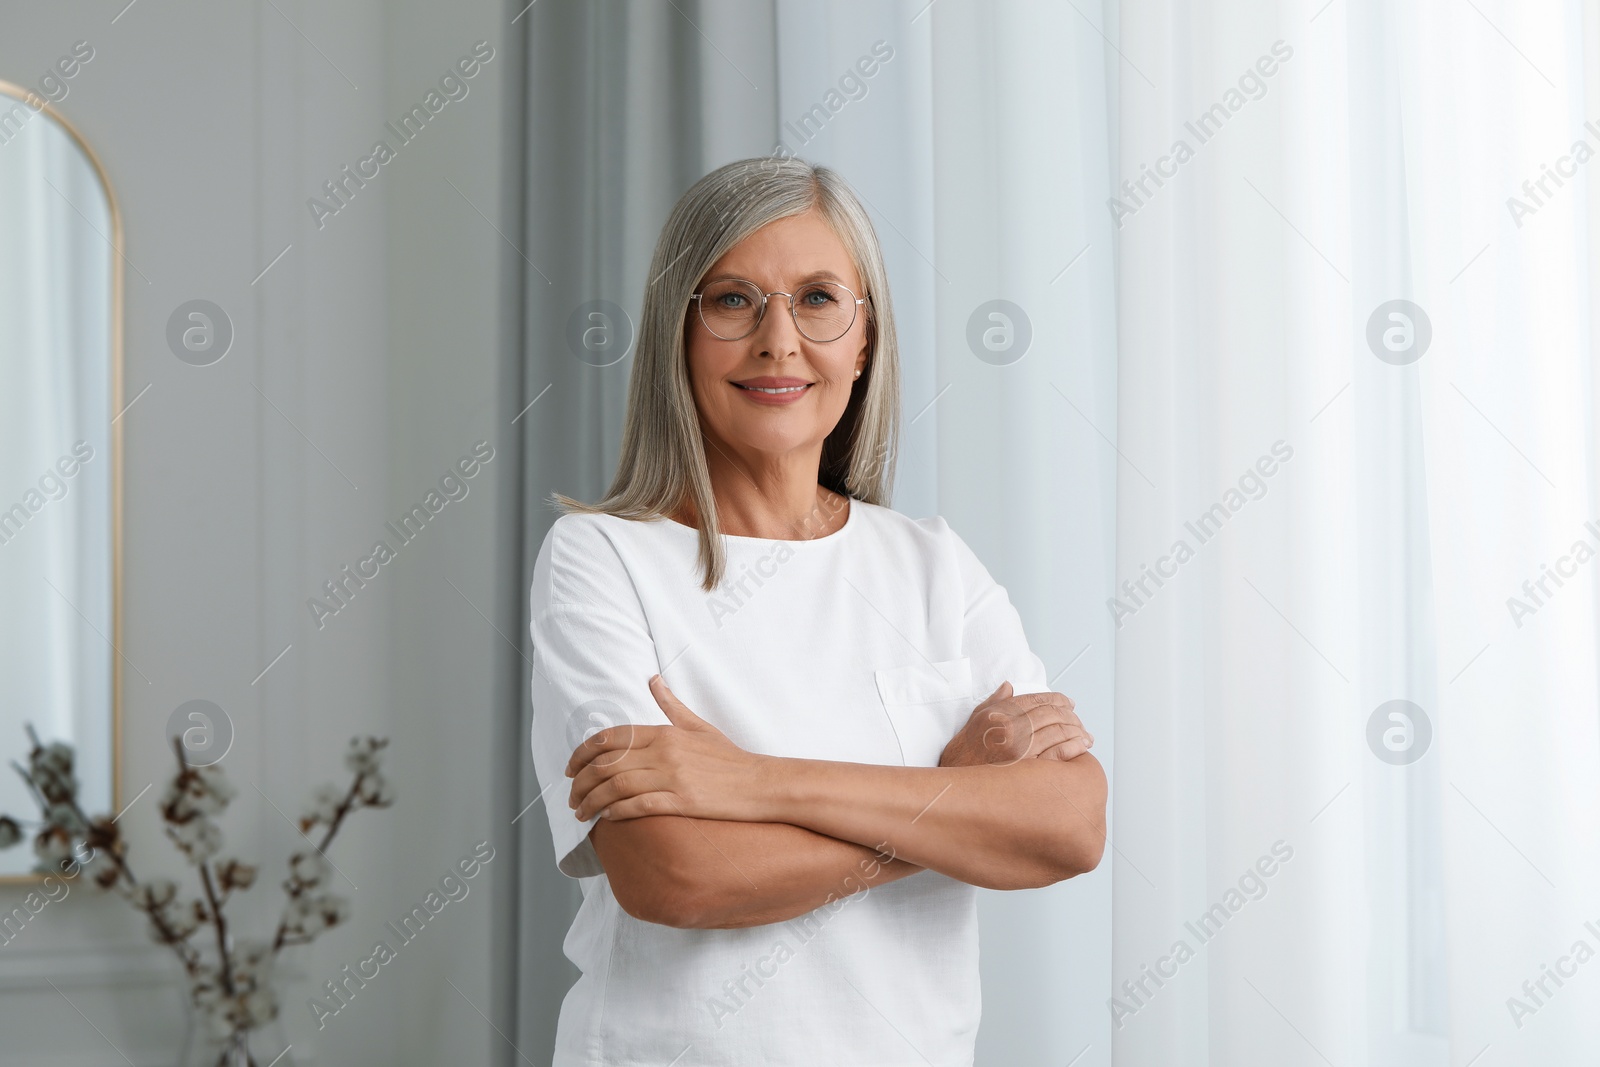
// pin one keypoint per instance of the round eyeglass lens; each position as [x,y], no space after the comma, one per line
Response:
[823,311]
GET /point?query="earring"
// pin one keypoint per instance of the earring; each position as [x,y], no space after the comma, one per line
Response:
[858,374]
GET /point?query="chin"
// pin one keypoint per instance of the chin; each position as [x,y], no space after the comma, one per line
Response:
[758,440]
[778,432]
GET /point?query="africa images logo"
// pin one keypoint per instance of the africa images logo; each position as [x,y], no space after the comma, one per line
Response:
[343,587]
[1252,85]
[342,188]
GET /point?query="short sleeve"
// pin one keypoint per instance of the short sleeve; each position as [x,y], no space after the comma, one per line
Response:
[593,657]
[992,635]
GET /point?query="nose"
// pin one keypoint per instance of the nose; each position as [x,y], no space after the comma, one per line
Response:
[777,335]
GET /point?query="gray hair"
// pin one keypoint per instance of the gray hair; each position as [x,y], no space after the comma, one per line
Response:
[663,459]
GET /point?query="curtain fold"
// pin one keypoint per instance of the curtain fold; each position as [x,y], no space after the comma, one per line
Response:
[1509,425]
[1443,452]
[628,105]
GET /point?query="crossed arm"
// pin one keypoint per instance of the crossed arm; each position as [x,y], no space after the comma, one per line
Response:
[698,833]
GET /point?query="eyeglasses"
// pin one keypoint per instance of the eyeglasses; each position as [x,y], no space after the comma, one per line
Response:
[732,308]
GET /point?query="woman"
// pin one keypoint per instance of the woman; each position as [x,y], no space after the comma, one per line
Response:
[778,850]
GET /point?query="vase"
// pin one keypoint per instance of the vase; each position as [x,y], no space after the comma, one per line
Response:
[264,1046]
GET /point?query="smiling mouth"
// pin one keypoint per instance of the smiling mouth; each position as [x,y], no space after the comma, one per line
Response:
[775,391]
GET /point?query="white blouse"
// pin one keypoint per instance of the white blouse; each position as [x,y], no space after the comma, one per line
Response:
[869,645]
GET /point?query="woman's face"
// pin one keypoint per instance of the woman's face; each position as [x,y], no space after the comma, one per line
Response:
[781,256]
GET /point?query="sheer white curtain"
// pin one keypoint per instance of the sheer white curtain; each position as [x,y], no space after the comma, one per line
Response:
[1425,485]
[1198,372]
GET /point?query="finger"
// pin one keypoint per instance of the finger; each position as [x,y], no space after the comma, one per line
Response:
[1023,720]
[619,786]
[1042,715]
[1054,734]
[677,711]
[1026,734]
[617,740]
[1029,700]
[642,806]
[595,787]
[1046,707]
[606,746]
[1070,746]
[1066,750]
[588,778]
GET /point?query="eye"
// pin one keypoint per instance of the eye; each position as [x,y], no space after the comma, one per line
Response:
[733,301]
[817,297]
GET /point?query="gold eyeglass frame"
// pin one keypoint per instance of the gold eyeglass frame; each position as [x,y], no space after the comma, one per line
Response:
[761,312]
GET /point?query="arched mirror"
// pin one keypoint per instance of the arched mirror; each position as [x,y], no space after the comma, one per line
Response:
[60,460]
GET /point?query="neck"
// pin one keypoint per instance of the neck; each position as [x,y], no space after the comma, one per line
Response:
[780,502]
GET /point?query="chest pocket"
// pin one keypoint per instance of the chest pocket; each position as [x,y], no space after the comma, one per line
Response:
[926,703]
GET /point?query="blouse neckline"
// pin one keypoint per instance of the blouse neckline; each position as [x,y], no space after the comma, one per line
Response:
[852,504]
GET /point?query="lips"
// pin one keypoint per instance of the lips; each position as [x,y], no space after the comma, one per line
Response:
[770,386]
[774,391]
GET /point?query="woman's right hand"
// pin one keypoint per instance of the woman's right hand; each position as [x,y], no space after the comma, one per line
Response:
[1007,729]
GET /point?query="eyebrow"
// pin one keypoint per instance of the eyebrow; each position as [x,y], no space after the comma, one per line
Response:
[814,276]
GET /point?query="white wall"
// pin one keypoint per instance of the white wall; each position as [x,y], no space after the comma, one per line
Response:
[379,339]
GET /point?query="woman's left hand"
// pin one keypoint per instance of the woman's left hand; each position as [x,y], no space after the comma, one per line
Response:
[689,768]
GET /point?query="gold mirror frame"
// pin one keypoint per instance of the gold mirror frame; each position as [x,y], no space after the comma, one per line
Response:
[48,110]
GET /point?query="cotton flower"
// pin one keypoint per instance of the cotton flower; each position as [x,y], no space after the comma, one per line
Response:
[65,816]
[54,758]
[183,920]
[300,918]
[375,791]
[309,869]
[325,910]
[205,987]
[233,874]
[244,1011]
[155,894]
[362,755]
[257,1008]
[172,918]
[196,791]
[252,962]
[308,915]
[52,847]
[101,869]
[217,782]
[335,909]
[50,770]
[199,838]
[323,807]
